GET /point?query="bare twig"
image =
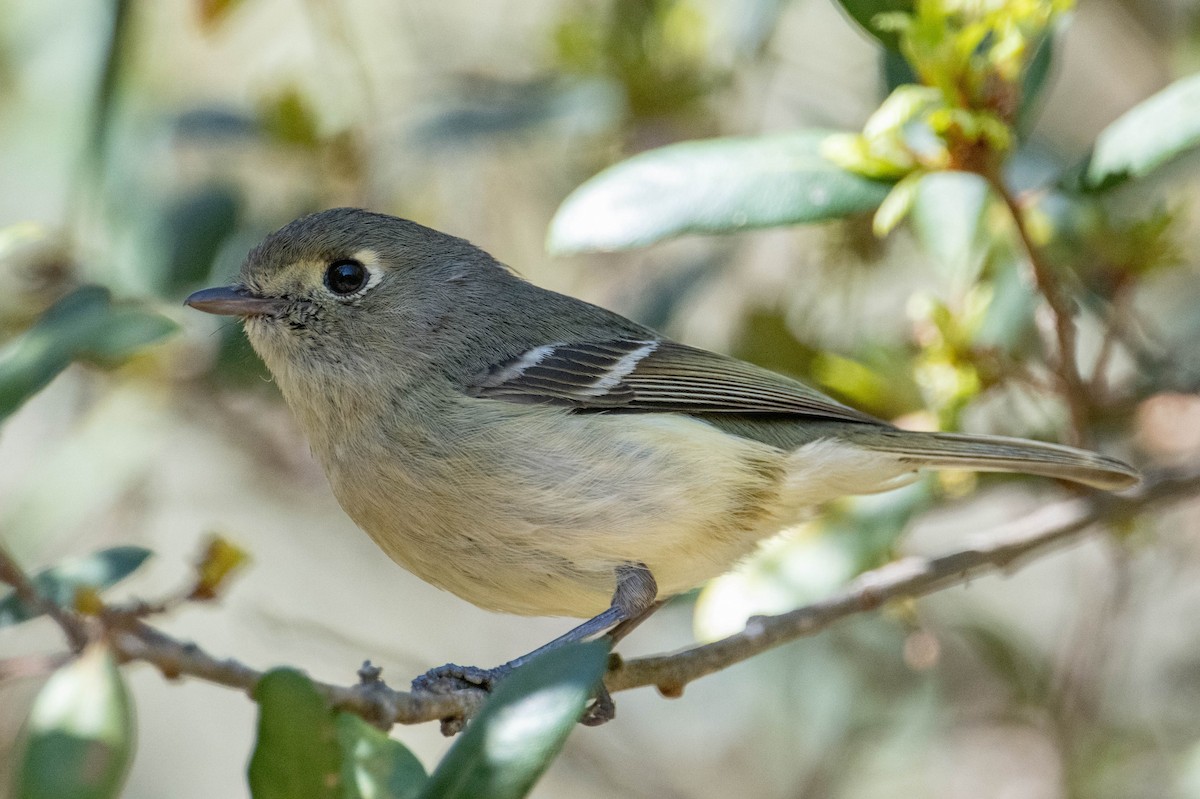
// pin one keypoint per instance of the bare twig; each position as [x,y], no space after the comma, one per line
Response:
[1001,549]
[1067,368]
[12,573]
[373,700]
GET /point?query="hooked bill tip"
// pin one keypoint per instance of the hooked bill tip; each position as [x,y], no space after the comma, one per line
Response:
[231,301]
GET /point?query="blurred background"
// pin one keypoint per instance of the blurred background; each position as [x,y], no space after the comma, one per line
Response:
[148,145]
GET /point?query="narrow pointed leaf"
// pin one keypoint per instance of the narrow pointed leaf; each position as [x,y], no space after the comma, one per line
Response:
[78,741]
[522,727]
[296,753]
[1146,137]
[59,583]
[710,186]
[375,766]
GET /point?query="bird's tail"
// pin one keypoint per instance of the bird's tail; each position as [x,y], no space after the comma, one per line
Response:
[1000,454]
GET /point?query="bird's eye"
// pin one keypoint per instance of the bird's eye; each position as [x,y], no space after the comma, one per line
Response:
[345,277]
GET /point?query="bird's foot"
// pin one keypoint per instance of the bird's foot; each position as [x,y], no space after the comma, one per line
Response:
[452,677]
[602,709]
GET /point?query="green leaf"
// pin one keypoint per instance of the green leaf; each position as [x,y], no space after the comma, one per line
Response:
[296,753]
[865,12]
[1037,74]
[522,727]
[1146,137]
[896,70]
[59,583]
[1010,322]
[78,741]
[84,325]
[289,118]
[711,186]
[194,228]
[946,217]
[120,37]
[375,766]
[897,204]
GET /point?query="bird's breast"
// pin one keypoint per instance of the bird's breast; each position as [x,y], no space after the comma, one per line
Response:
[530,509]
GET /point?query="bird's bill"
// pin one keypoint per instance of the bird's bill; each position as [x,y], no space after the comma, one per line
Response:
[231,301]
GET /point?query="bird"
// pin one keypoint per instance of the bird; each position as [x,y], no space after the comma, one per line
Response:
[535,454]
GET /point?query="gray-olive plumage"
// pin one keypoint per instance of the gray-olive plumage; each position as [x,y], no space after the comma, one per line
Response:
[525,449]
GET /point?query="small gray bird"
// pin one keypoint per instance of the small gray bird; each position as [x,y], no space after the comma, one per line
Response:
[535,454]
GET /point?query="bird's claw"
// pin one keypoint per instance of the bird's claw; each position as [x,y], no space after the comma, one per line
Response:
[602,709]
[452,677]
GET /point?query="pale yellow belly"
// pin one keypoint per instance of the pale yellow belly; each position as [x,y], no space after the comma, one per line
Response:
[532,510]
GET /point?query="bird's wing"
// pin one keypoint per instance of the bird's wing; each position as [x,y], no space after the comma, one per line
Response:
[651,375]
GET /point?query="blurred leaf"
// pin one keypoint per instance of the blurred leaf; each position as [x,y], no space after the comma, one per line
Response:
[60,583]
[84,325]
[288,117]
[1145,137]
[751,24]
[810,562]
[215,124]
[211,12]
[853,380]
[123,333]
[896,70]
[375,766]
[220,559]
[946,217]
[656,51]
[296,754]
[1017,662]
[482,108]
[36,269]
[669,290]
[238,365]
[897,204]
[1037,73]
[867,527]
[522,727]
[864,12]
[78,741]
[765,338]
[712,186]
[195,227]
[1010,318]
[119,37]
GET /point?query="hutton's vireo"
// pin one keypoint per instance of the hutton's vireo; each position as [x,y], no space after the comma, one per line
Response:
[535,454]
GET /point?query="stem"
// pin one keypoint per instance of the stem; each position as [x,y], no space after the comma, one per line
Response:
[12,573]
[1073,390]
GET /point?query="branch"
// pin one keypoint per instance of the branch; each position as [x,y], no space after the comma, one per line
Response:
[1061,307]
[370,698]
[12,573]
[1004,549]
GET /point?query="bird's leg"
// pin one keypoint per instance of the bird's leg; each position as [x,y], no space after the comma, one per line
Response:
[633,600]
[635,594]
